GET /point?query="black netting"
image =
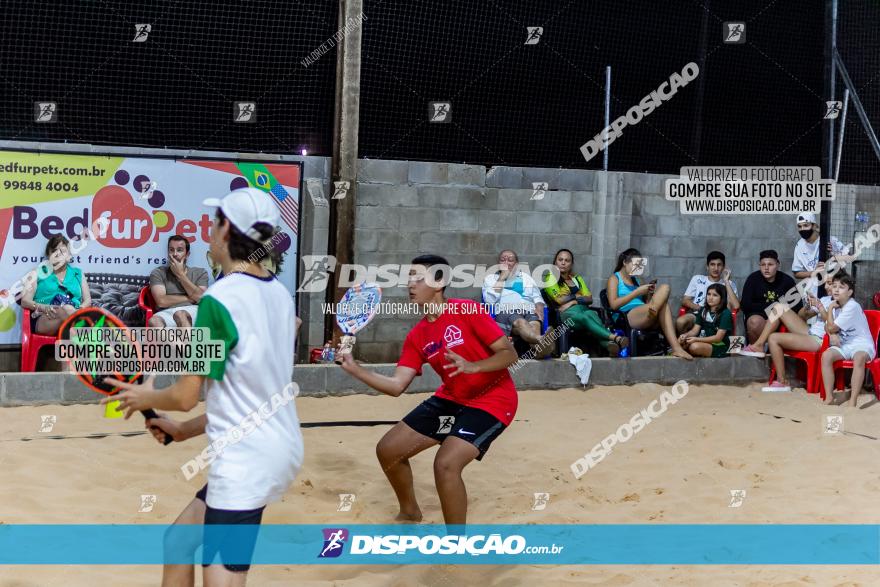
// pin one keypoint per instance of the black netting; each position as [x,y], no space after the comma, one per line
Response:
[858,42]
[857,208]
[178,88]
[513,103]
[535,105]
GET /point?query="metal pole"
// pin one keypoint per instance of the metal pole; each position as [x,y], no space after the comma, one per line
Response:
[828,143]
[607,114]
[832,81]
[857,104]
[697,135]
[840,135]
[345,149]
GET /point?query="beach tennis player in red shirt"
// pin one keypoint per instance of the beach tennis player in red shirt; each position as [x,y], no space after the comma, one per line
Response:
[473,406]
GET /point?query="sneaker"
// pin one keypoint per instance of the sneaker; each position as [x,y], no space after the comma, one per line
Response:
[776,386]
[752,351]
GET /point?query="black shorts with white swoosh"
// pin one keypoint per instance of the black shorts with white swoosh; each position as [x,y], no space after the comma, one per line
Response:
[438,418]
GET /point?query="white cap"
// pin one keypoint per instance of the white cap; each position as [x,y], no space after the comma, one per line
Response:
[246,207]
[806,217]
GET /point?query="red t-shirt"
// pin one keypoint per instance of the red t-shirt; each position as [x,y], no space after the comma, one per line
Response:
[467,330]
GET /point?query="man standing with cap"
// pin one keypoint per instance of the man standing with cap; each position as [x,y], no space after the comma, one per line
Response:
[806,251]
[253,464]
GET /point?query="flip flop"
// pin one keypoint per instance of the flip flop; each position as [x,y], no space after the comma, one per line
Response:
[613,349]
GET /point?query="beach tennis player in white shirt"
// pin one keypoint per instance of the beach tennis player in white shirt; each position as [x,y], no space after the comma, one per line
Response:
[256,448]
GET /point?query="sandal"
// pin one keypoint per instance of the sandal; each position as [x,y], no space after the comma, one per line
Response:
[621,341]
[613,349]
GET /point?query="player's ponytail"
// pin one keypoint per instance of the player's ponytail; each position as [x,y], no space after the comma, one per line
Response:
[624,257]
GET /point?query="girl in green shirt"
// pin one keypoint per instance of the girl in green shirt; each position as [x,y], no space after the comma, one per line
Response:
[714,325]
[572,297]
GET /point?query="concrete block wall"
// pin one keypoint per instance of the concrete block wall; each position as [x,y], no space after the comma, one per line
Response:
[676,244]
[469,213]
[314,238]
[20,389]
[849,200]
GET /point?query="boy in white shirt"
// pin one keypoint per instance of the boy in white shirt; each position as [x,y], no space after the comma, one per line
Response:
[251,418]
[849,336]
[695,294]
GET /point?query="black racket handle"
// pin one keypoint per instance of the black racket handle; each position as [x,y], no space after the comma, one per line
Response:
[149,415]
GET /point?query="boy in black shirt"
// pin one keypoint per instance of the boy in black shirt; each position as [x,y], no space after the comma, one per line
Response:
[762,289]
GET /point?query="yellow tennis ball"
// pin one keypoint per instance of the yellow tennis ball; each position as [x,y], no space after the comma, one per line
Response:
[111,411]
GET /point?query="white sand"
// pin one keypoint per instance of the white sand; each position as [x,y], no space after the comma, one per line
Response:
[679,469]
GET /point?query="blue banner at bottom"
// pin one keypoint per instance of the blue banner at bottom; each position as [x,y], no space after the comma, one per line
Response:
[558,544]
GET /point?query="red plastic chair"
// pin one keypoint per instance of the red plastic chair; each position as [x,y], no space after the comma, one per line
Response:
[813,361]
[31,343]
[147,303]
[873,366]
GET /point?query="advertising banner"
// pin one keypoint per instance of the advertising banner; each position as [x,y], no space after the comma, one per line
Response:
[144,201]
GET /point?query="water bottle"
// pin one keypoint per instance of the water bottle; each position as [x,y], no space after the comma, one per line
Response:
[624,352]
[861,221]
[325,353]
[331,355]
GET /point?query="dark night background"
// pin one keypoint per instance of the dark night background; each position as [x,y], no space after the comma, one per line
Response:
[756,103]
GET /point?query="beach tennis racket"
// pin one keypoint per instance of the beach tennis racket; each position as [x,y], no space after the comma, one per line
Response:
[354,311]
[92,317]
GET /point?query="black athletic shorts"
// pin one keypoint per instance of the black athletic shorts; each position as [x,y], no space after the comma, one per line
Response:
[214,542]
[438,418]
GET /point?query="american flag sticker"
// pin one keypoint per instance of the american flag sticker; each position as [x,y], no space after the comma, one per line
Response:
[286,204]
[262,177]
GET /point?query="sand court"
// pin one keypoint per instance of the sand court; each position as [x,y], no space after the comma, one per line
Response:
[679,469]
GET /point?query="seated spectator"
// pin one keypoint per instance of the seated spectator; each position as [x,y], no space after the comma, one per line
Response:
[849,338]
[177,288]
[519,307]
[761,290]
[572,297]
[695,294]
[802,335]
[646,305]
[710,336]
[60,290]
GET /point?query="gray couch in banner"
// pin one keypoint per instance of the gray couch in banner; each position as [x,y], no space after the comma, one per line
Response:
[118,294]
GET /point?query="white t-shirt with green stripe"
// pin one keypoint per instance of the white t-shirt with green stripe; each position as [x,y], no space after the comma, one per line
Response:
[255,318]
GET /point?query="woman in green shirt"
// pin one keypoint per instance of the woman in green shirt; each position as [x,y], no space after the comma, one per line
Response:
[572,297]
[60,290]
